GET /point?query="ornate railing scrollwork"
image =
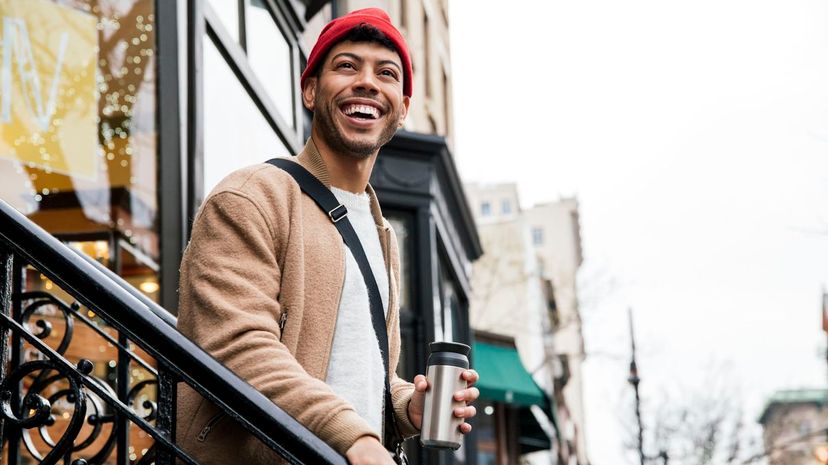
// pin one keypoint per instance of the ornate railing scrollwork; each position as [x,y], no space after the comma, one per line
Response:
[59,404]
[35,411]
[52,388]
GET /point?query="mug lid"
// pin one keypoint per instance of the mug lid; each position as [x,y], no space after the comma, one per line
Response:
[455,347]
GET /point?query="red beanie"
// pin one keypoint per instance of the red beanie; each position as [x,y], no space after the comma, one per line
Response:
[340,27]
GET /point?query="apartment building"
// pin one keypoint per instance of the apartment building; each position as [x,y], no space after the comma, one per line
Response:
[794,425]
[531,261]
[556,240]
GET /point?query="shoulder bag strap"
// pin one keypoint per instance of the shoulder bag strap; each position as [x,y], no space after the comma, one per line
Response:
[338,214]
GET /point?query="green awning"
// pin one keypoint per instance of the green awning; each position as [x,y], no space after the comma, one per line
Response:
[503,377]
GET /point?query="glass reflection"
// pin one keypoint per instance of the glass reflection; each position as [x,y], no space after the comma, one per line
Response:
[78,149]
[402,225]
[228,12]
[236,134]
[77,126]
[269,53]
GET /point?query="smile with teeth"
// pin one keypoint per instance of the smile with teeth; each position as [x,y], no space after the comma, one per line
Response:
[361,111]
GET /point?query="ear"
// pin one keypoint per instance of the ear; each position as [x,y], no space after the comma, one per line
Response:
[404,111]
[309,93]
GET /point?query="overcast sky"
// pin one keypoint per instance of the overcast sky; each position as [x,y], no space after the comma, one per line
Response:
[695,135]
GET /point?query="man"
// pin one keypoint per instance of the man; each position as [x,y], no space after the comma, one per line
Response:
[268,287]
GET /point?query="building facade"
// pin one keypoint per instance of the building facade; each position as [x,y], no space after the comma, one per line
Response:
[794,425]
[556,240]
[525,287]
[125,115]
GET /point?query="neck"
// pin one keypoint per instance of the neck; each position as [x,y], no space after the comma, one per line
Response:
[347,172]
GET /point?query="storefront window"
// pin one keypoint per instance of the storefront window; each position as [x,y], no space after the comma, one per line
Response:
[269,53]
[228,13]
[486,437]
[236,134]
[449,315]
[78,151]
[77,126]
[403,225]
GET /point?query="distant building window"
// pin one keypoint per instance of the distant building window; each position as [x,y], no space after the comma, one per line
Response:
[505,206]
[537,236]
[486,209]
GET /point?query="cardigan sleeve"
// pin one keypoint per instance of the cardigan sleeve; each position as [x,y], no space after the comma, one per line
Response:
[230,283]
[401,392]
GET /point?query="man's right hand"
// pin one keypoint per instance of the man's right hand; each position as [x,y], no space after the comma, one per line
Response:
[367,450]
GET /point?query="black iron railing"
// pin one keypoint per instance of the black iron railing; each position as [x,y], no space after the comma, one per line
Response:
[56,406]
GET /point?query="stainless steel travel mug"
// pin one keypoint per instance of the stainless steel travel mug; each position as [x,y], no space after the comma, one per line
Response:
[446,362]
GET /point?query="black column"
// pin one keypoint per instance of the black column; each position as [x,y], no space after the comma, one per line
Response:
[172,193]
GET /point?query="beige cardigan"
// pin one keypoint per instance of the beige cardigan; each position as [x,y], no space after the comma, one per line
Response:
[263,255]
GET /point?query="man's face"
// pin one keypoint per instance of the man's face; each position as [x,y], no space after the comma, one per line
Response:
[357,98]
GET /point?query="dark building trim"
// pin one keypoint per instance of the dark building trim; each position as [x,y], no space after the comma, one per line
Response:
[195,108]
[172,166]
[434,148]
[416,174]
[237,61]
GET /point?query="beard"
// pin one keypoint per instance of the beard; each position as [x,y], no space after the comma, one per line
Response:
[357,147]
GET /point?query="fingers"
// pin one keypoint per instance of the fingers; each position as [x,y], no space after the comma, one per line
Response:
[465,412]
[420,383]
[465,428]
[470,376]
[467,395]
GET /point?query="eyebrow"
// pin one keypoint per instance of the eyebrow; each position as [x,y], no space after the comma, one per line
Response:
[358,58]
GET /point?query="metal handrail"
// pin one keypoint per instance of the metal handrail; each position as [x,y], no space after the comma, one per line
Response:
[153,329]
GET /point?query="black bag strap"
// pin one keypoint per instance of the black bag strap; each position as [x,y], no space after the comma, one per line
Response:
[338,214]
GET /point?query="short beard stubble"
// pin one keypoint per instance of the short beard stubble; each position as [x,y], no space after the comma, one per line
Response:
[360,149]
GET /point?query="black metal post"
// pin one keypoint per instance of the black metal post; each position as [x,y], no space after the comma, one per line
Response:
[12,434]
[122,389]
[166,419]
[635,380]
[6,265]
[172,164]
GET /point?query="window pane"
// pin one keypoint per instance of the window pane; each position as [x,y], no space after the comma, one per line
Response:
[77,132]
[403,225]
[236,133]
[537,236]
[269,53]
[228,12]
[452,313]
[486,209]
[486,439]
[78,155]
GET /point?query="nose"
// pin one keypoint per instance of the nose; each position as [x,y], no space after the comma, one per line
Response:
[366,81]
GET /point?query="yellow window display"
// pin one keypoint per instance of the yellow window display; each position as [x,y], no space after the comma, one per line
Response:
[78,149]
[78,156]
[48,112]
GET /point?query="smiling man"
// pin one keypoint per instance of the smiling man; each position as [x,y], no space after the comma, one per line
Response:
[269,288]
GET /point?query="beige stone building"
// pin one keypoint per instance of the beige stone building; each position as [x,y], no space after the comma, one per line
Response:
[525,286]
[795,423]
[556,239]
[425,26]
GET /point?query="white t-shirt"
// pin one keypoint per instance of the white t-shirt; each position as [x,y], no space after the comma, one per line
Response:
[355,370]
